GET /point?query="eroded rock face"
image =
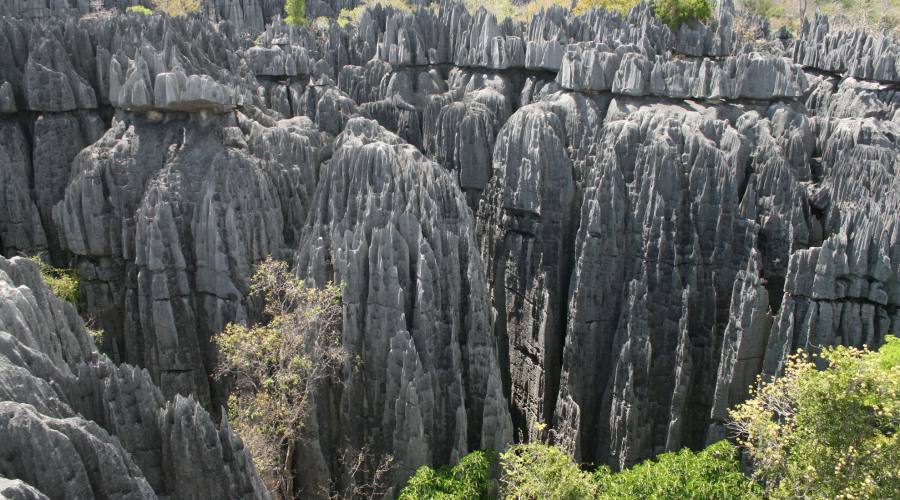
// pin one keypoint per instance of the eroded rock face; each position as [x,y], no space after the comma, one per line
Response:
[395,230]
[76,425]
[188,209]
[590,222]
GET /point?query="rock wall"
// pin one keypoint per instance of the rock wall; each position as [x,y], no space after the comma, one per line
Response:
[76,425]
[590,222]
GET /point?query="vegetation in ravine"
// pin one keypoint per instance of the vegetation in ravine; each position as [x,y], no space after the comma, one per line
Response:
[538,470]
[275,367]
[828,428]
[474,477]
[176,8]
[295,12]
[139,9]
[674,13]
[832,433]
[63,282]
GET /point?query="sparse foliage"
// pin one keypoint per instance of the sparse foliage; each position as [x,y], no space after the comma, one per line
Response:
[276,367]
[176,8]
[674,13]
[761,8]
[296,12]
[620,6]
[367,476]
[829,433]
[64,283]
[139,9]
[352,16]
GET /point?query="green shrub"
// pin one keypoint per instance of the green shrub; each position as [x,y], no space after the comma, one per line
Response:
[176,8]
[296,12]
[140,9]
[537,470]
[352,16]
[674,13]
[277,366]
[469,479]
[64,283]
[532,471]
[832,433]
[712,473]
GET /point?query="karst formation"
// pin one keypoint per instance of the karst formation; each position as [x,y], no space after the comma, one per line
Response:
[589,229]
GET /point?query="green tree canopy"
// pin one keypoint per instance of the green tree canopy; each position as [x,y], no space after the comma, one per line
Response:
[296,12]
[674,13]
[829,433]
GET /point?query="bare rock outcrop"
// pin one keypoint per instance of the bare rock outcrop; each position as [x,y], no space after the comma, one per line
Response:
[394,229]
[76,425]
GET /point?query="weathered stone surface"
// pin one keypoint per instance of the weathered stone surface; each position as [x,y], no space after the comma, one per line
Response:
[524,221]
[859,54]
[743,346]
[170,253]
[645,222]
[394,228]
[18,490]
[642,219]
[75,425]
[21,228]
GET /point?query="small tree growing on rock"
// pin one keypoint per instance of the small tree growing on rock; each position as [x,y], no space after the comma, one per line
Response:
[674,13]
[296,12]
[277,366]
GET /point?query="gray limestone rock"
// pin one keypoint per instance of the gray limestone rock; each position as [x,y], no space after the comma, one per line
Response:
[523,225]
[21,228]
[110,431]
[743,346]
[859,54]
[591,222]
[14,489]
[188,218]
[394,229]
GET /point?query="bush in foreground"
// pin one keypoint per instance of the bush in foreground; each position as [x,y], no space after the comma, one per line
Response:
[712,473]
[535,471]
[471,478]
[829,433]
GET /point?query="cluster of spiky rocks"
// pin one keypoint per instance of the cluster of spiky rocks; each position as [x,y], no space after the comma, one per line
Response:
[590,222]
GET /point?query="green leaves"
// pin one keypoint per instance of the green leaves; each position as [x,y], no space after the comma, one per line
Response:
[296,12]
[828,433]
[139,9]
[537,471]
[469,479]
[712,473]
[275,367]
[674,13]
[64,283]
